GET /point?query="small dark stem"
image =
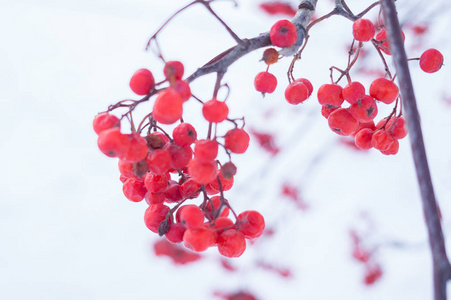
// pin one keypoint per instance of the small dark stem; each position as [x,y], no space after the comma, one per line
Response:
[387,69]
[219,77]
[231,32]
[153,37]
[223,201]
[210,125]
[367,9]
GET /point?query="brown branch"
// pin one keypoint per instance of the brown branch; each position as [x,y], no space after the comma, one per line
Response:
[220,63]
[441,265]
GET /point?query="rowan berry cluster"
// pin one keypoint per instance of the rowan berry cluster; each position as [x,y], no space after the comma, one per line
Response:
[366,257]
[169,171]
[357,118]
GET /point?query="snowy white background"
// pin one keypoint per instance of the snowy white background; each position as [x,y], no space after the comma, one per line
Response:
[67,232]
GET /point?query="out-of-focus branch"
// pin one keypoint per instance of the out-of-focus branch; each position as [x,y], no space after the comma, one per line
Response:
[441,265]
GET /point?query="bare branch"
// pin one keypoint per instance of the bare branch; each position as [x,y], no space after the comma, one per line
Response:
[220,63]
[441,265]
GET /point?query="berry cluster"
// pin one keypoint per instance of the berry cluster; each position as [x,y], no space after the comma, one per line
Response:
[169,171]
[357,119]
[366,257]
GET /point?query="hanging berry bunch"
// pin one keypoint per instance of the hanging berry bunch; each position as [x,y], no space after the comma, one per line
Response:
[351,108]
[170,170]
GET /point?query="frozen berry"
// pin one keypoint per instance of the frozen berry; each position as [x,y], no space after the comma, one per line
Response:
[384,90]
[105,121]
[265,82]
[431,61]
[363,30]
[283,34]
[168,107]
[237,140]
[142,82]
[330,94]
[215,111]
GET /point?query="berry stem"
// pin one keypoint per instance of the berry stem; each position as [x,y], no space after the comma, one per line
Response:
[219,77]
[364,12]
[223,201]
[231,32]
[441,265]
[376,45]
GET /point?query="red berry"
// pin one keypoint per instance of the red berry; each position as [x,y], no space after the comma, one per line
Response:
[180,155]
[431,61]
[206,150]
[231,243]
[283,34]
[168,107]
[190,188]
[138,148]
[134,189]
[363,139]
[113,143]
[159,161]
[156,183]
[210,190]
[363,30]
[216,201]
[155,214]
[384,90]
[392,149]
[362,125]
[273,8]
[226,183]
[341,122]
[126,169]
[381,36]
[397,127]
[173,193]
[142,82]
[184,134]
[296,93]
[361,255]
[327,109]
[237,140]
[364,110]
[307,83]
[192,216]
[372,274]
[215,111]
[353,92]
[182,88]
[173,69]
[202,172]
[152,198]
[330,94]
[265,82]
[221,224]
[381,140]
[105,121]
[381,123]
[251,223]
[175,233]
[199,239]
